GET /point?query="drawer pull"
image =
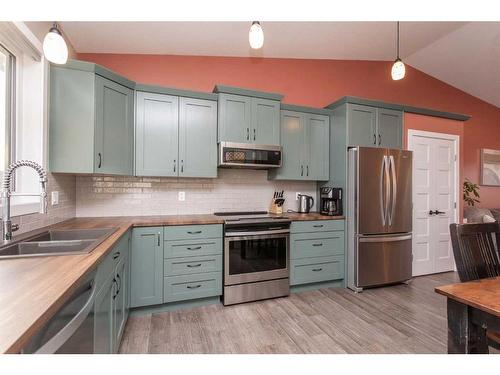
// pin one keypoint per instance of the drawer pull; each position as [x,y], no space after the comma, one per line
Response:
[317,269]
[318,226]
[194,248]
[193,286]
[317,244]
[194,265]
[116,255]
[194,232]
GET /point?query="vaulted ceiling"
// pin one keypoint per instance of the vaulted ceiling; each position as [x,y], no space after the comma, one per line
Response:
[465,55]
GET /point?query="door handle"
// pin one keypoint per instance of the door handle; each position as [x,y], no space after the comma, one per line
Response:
[317,269]
[194,248]
[431,212]
[317,244]
[379,139]
[392,169]
[159,238]
[383,189]
[248,134]
[436,212]
[194,232]
[100,160]
[307,170]
[193,286]
[116,255]
[254,134]
[174,164]
[301,170]
[374,139]
[182,166]
[193,265]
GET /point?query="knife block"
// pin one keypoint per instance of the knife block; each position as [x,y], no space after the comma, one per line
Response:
[274,208]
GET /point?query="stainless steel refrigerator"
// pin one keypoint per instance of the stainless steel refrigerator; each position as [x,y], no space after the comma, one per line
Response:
[379,226]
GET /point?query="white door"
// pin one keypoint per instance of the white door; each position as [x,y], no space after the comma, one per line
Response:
[435,187]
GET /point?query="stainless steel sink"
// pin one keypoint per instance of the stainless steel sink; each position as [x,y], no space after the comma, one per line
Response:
[57,242]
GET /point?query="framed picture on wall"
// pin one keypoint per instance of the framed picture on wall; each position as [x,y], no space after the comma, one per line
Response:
[490,167]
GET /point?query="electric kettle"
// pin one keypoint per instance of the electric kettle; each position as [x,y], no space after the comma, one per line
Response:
[305,203]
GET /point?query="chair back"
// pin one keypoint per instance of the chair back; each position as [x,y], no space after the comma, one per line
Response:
[475,247]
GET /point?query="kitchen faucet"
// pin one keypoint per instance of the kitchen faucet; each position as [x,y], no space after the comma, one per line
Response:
[7,226]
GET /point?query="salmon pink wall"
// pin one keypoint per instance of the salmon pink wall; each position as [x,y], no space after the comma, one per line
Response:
[318,83]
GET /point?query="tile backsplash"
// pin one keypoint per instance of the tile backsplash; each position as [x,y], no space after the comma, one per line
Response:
[66,209]
[233,190]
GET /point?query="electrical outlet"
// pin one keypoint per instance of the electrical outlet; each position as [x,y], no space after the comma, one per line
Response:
[182,196]
[297,196]
[54,198]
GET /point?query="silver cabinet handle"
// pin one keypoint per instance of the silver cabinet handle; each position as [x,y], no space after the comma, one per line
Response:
[159,234]
[174,164]
[194,248]
[317,269]
[182,166]
[248,134]
[69,329]
[193,286]
[301,170]
[254,134]
[194,232]
[317,244]
[193,265]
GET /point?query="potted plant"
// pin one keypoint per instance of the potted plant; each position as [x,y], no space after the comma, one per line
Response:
[471,193]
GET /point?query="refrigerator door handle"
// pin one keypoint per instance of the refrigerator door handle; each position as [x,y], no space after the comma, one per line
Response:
[383,189]
[403,237]
[392,167]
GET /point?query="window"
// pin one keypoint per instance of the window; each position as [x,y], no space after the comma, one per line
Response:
[7,108]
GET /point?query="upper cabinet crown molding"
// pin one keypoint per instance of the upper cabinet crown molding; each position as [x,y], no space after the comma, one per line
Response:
[245,92]
[398,107]
[176,92]
[300,108]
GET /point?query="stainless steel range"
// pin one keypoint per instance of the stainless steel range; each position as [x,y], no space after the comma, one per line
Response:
[256,256]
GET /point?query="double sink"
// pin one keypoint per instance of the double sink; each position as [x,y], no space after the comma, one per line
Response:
[56,242]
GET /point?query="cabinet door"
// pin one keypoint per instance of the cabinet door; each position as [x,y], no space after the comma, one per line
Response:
[114,130]
[362,121]
[119,303]
[197,138]
[103,318]
[234,118]
[292,140]
[318,142]
[389,128]
[146,279]
[265,129]
[157,138]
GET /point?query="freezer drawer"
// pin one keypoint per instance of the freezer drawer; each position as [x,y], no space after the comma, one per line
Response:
[383,259]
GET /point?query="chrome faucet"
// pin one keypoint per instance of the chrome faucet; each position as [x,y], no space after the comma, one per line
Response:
[7,226]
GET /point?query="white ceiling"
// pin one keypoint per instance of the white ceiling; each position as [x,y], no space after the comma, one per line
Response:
[465,55]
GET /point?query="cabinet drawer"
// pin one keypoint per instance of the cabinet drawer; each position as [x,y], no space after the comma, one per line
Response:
[316,226]
[178,288]
[312,270]
[321,244]
[184,232]
[186,266]
[189,248]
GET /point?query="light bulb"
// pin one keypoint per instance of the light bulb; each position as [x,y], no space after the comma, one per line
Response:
[256,35]
[54,47]
[398,70]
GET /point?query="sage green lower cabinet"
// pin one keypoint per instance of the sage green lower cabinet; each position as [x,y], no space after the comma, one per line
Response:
[187,287]
[103,318]
[317,251]
[146,279]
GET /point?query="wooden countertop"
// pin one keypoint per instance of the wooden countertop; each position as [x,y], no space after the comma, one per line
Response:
[481,294]
[33,289]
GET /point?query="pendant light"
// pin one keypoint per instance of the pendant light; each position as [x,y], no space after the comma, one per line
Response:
[256,35]
[54,47]
[398,68]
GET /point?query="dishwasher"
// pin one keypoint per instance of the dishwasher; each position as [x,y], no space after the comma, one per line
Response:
[71,329]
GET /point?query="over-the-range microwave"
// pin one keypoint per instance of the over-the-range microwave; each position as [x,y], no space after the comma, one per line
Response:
[246,155]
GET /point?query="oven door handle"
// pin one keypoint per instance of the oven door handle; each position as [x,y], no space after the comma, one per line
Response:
[258,233]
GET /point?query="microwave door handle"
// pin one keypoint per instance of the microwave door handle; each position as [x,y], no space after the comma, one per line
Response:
[58,340]
[394,189]
[383,190]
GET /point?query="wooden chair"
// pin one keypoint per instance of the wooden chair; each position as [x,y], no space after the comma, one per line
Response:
[475,247]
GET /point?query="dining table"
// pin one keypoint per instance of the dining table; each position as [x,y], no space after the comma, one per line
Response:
[473,309]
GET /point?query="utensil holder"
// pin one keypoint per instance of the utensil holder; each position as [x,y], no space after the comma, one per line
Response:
[274,208]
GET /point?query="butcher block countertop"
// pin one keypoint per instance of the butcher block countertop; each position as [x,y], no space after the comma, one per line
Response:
[33,289]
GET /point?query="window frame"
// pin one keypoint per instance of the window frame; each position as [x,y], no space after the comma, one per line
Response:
[11,108]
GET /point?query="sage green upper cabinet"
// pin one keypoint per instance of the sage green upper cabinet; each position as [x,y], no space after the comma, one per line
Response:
[389,128]
[305,142]
[197,138]
[247,116]
[157,132]
[362,125]
[91,122]
[175,135]
[114,140]
[146,275]
[234,118]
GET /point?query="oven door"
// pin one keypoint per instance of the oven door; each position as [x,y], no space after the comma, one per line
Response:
[252,258]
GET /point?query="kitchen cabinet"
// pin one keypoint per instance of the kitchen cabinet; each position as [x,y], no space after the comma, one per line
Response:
[103,318]
[247,116]
[146,276]
[175,136]
[91,120]
[374,127]
[305,142]
[119,302]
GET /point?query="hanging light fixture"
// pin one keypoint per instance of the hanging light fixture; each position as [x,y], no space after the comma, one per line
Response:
[54,47]
[256,35]
[398,68]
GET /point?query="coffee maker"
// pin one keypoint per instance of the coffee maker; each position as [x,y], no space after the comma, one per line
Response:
[330,201]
